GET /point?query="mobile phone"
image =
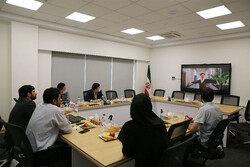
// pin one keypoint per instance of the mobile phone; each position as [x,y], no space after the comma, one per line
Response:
[84,131]
[80,123]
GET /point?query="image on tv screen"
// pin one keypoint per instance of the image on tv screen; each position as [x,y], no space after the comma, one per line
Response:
[214,76]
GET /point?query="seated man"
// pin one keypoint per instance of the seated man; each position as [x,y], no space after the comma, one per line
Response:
[24,107]
[64,93]
[208,116]
[94,93]
[46,122]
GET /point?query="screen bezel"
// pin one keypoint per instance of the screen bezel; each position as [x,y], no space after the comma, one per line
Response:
[218,92]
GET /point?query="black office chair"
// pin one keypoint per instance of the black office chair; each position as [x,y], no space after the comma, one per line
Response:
[177,132]
[129,93]
[214,149]
[111,94]
[230,100]
[243,127]
[3,158]
[176,155]
[85,94]
[23,153]
[15,99]
[197,96]
[159,92]
[178,94]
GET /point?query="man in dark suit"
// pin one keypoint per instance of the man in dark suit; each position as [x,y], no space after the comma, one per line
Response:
[94,94]
[24,107]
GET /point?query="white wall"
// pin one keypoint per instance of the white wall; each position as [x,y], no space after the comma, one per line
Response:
[141,68]
[166,62]
[5,70]
[44,73]
[24,56]
[66,42]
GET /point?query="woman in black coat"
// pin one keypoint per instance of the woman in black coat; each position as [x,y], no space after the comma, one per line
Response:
[144,137]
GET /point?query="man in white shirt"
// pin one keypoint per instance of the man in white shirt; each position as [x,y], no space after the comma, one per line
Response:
[46,122]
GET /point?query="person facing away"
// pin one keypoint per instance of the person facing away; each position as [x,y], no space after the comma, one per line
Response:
[94,94]
[208,116]
[47,120]
[143,137]
[24,107]
[64,93]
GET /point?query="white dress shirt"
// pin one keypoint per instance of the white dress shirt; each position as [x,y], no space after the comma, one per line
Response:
[44,126]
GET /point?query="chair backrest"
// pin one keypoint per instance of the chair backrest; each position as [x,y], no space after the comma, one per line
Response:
[159,92]
[247,111]
[178,94]
[197,96]
[22,150]
[1,124]
[85,94]
[217,135]
[230,100]
[176,155]
[177,132]
[111,94]
[129,93]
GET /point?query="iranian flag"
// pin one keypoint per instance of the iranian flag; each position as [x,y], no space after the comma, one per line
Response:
[148,83]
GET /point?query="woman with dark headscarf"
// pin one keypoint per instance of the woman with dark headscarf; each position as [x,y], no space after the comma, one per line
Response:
[144,137]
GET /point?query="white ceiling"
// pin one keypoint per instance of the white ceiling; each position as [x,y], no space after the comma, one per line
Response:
[152,16]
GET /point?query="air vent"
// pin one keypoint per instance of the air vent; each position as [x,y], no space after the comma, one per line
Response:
[171,34]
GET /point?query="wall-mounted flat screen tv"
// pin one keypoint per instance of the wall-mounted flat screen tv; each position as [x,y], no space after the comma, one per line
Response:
[194,77]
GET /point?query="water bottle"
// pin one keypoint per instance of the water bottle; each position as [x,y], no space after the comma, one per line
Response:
[103,119]
[101,102]
[161,115]
[78,100]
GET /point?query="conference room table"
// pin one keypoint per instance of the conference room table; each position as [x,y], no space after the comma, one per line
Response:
[90,150]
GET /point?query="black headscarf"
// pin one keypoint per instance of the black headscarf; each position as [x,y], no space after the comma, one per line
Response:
[141,112]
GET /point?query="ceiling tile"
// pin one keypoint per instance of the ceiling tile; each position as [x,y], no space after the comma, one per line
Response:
[94,10]
[54,10]
[228,1]
[71,5]
[112,4]
[239,5]
[195,24]
[101,22]
[17,10]
[133,10]
[68,22]
[87,26]
[177,10]
[106,30]
[132,22]
[188,18]
[157,4]
[151,17]
[120,34]
[230,18]
[45,17]
[115,17]
[198,5]
[236,30]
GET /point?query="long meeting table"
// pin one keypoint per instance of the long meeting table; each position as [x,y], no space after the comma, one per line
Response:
[89,150]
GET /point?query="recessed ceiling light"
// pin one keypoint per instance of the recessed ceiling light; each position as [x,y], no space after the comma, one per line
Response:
[214,12]
[29,4]
[231,25]
[155,38]
[132,31]
[80,17]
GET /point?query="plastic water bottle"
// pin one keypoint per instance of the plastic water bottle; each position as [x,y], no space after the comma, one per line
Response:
[104,119]
[78,100]
[161,115]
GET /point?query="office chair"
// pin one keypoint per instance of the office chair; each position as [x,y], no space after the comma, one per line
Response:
[243,127]
[3,160]
[23,153]
[159,92]
[15,99]
[129,93]
[111,94]
[178,94]
[176,155]
[177,132]
[230,100]
[85,94]
[214,149]
[197,96]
